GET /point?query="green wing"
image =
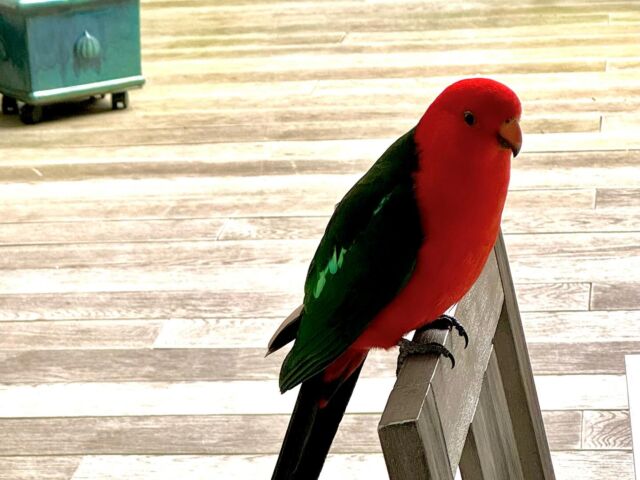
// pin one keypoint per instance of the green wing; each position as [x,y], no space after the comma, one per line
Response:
[365,257]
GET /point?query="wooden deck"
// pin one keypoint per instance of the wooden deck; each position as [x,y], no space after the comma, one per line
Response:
[147,255]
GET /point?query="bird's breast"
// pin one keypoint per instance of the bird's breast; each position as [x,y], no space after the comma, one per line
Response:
[460,230]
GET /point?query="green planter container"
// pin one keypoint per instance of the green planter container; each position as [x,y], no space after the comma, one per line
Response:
[61,50]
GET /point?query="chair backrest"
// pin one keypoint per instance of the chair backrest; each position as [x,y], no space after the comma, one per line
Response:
[483,416]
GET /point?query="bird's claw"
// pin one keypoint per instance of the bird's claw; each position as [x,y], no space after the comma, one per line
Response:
[447,322]
[408,347]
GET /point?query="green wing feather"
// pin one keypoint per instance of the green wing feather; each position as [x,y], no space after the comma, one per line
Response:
[365,257]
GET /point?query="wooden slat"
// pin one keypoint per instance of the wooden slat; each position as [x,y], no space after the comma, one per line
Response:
[568,328]
[348,156]
[143,365]
[589,466]
[564,429]
[619,251]
[169,398]
[269,265]
[296,118]
[241,304]
[353,12]
[615,296]
[576,37]
[581,327]
[66,335]
[605,87]
[281,227]
[546,220]
[133,360]
[562,220]
[551,297]
[556,392]
[148,304]
[194,435]
[276,278]
[199,132]
[617,197]
[167,467]
[577,392]
[205,434]
[575,257]
[363,20]
[583,358]
[205,198]
[491,434]
[209,254]
[524,35]
[582,139]
[416,449]
[320,126]
[590,91]
[581,342]
[227,327]
[514,366]
[470,462]
[118,231]
[215,164]
[606,430]
[24,467]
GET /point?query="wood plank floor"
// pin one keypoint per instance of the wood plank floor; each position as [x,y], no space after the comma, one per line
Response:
[147,255]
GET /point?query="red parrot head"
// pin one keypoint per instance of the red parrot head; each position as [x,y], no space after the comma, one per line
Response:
[464,142]
[477,112]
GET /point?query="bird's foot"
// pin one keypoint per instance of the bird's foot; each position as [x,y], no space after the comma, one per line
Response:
[409,347]
[447,322]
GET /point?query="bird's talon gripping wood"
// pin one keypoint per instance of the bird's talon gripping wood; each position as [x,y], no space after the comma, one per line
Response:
[447,322]
[409,347]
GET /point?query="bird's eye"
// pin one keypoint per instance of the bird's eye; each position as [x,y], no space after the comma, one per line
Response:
[469,118]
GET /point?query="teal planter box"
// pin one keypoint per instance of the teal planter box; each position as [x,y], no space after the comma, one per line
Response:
[60,50]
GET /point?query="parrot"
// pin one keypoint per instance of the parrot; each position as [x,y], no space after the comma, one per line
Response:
[404,244]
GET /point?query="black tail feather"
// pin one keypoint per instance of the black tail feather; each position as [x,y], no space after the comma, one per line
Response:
[312,429]
[286,332]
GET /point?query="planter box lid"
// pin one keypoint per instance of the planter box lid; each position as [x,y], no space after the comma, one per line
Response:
[38,5]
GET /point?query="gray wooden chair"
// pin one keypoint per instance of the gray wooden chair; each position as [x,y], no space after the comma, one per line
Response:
[483,416]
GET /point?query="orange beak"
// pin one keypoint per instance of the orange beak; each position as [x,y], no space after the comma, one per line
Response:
[510,136]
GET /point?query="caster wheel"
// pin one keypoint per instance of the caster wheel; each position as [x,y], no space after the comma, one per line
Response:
[9,105]
[31,114]
[119,100]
